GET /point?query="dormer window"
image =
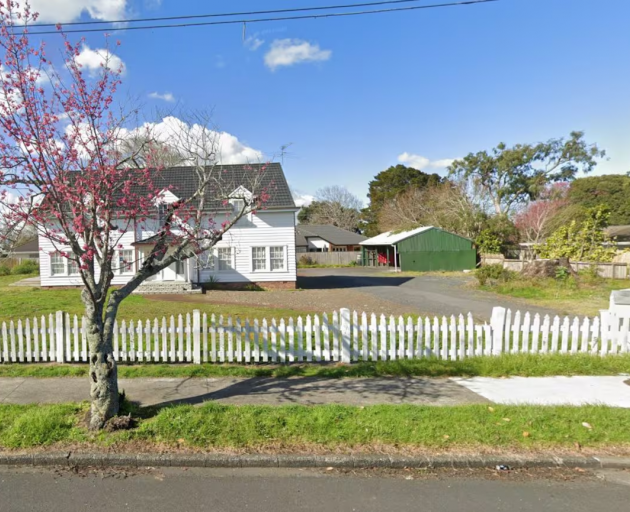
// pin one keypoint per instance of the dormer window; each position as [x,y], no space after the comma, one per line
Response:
[238,205]
[161,214]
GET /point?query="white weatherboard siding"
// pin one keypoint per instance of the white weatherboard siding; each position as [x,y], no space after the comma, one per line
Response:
[264,229]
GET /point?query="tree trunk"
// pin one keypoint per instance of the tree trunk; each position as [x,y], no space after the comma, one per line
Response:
[103,369]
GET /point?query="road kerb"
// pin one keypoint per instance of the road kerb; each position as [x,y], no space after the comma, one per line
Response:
[362,460]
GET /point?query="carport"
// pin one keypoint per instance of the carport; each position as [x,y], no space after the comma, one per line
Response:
[421,249]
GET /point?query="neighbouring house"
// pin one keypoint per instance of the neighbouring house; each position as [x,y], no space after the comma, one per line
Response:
[259,249]
[325,238]
[26,251]
[421,249]
[621,235]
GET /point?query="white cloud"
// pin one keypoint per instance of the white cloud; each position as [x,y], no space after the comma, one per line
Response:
[287,52]
[253,42]
[95,60]
[182,136]
[302,200]
[167,96]
[421,162]
[62,11]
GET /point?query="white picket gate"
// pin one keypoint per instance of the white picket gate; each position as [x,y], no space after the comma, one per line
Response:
[344,336]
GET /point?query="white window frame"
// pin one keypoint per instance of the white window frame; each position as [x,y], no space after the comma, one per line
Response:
[284,258]
[67,266]
[121,268]
[219,260]
[265,259]
[268,267]
[63,262]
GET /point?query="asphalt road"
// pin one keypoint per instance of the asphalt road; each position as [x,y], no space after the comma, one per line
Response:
[301,490]
[433,293]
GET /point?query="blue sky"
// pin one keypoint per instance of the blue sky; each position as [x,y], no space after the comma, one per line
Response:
[431,84]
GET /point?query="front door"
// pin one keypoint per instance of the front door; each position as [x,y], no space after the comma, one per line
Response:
[174,272]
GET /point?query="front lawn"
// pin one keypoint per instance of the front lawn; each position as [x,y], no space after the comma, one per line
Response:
[508,365]
[577,296]
[328,427]
[24,302]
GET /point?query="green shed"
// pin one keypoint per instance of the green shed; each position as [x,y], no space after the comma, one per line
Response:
[422,249]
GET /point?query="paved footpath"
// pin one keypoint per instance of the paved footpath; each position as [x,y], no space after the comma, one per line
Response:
[613,391]
[255,391]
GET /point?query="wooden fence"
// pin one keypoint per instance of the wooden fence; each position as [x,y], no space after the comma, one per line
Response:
[329,258]
[343,336]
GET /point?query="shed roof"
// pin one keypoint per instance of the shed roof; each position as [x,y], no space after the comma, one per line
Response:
[393,237]
[618,230]
[332,234]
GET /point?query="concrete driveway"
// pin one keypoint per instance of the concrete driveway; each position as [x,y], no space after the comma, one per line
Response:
[432,293]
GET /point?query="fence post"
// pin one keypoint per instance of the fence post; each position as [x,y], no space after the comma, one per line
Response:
[59,336]
[497,323]
[196,327]
[345,335]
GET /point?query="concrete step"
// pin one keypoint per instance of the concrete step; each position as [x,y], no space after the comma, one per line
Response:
[162,288]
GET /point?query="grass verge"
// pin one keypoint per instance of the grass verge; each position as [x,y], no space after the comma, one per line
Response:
[576,296]
[523,365]
[331,427]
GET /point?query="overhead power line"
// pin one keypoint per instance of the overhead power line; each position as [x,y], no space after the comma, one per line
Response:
[260,20]
[227,14]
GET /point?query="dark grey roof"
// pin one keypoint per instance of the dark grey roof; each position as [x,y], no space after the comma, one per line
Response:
[300,241]
[30,246]
[257,178]
[332,234]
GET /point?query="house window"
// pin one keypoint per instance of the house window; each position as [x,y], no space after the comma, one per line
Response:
[161,214]
[125,261]
[57,264]
[179,268]
[259,258]
[224,255]
[238,205]
[277,258]
[205,261]
[73,267]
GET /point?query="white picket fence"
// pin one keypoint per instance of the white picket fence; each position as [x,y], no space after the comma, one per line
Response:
[344,337]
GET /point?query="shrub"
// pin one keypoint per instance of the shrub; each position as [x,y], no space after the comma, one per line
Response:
[26,267]
[4,270]
[494,273]
[562,273]
[306,260]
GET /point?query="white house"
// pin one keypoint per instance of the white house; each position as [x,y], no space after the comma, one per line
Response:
[259,249]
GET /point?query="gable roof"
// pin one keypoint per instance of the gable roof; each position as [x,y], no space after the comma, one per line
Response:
[332,234]
[30,246]
[229,178]
[393,237]
[300,241]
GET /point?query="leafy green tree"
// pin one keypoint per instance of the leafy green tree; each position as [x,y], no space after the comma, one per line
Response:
[581,241]
[508,176]
[611,191]
[387,185]
[488,242]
